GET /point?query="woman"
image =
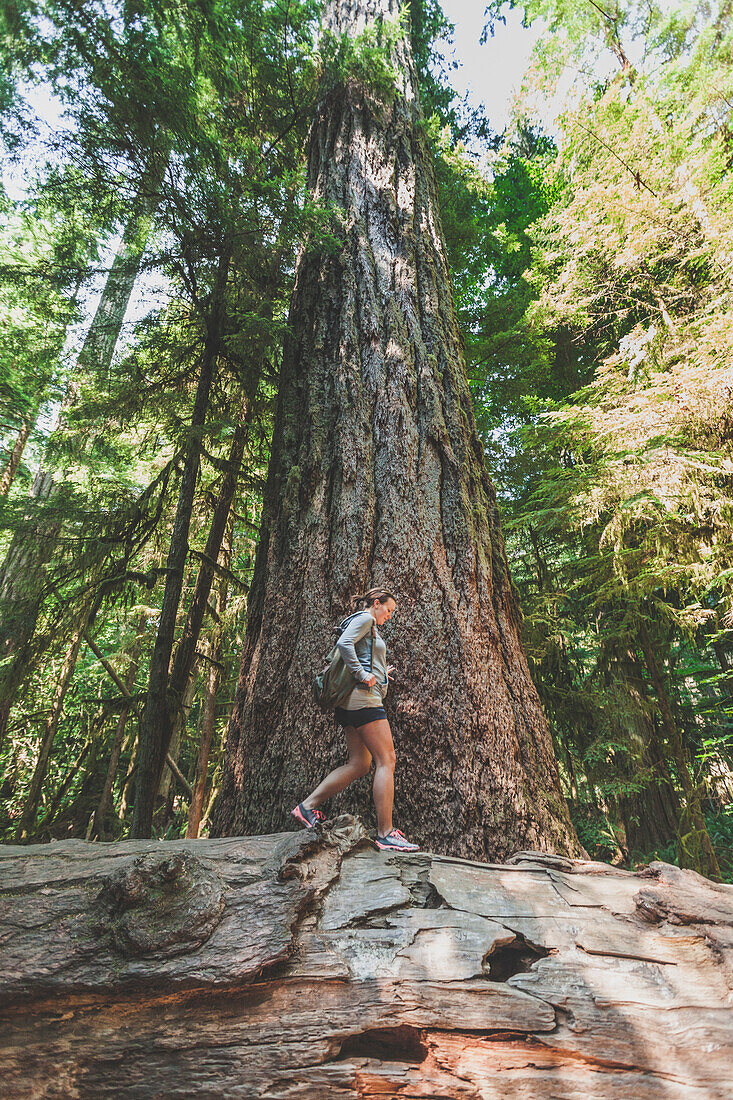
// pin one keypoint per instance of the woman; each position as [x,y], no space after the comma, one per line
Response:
[364,720]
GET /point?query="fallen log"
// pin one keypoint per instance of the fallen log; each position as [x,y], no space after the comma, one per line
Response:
[310,965]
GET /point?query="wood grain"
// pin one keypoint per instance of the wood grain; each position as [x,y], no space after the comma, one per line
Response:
[337,971]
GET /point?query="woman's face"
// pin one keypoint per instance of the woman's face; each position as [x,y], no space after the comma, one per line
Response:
[383,612]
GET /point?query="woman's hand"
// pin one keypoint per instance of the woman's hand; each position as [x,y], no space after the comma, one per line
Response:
[390,670]
[370,682]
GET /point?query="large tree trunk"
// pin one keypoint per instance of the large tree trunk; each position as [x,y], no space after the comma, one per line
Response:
[377,476]
[302,966]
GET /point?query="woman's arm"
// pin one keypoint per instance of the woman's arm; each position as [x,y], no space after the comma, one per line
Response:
[357,629]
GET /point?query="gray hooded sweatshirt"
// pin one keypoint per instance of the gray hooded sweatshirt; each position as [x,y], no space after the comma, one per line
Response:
[355,647]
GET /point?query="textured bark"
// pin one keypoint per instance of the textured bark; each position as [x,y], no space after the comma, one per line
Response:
[303,965]
[377,476]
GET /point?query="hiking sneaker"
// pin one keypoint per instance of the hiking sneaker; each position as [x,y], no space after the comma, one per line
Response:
[309,818]
[396,842]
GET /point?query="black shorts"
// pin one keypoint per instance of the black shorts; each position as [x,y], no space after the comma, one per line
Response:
[359,717]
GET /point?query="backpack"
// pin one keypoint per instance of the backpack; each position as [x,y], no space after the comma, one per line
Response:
[333,686]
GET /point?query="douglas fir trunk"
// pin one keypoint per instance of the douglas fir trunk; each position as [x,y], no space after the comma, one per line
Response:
[377,477]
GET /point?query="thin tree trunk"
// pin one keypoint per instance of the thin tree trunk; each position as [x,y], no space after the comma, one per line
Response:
[114,759]
[154,728]
[179,727]
[185,654]
[16,454]
[68,779]
[126,785]
[695,849]
[30,809]
[651,816]
[212,683]
[104,332]
[212,799]
[377,477]
[202,763]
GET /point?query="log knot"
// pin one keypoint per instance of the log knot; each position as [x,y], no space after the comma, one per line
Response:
[161,904]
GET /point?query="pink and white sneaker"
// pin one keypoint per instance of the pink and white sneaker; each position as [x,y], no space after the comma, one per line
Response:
[309,818]
[396,842]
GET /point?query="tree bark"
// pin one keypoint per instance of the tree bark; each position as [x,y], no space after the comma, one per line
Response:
[302,965]
[155,727]
[377,477]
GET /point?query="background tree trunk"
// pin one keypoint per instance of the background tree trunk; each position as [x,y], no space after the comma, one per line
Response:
[105,799]
[210,689]
[32,548]
[171,718]
[30,809]
[694,848]
[377,476]
[15,455]
[154,727]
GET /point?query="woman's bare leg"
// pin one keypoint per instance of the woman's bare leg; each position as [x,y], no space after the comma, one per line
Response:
[377,737]
[358,764]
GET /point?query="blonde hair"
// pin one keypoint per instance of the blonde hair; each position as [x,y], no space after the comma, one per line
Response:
[368,598]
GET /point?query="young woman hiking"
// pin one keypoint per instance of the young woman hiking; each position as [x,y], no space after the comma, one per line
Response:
[364,720]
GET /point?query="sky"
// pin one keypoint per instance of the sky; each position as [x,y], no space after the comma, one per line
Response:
[492,73]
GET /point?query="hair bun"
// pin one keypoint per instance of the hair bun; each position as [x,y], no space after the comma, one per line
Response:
[367,598]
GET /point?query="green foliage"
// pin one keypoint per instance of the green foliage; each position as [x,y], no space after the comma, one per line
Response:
[603,394]
[369,58]
[183,135]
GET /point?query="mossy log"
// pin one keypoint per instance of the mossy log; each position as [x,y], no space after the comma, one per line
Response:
[310,965]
